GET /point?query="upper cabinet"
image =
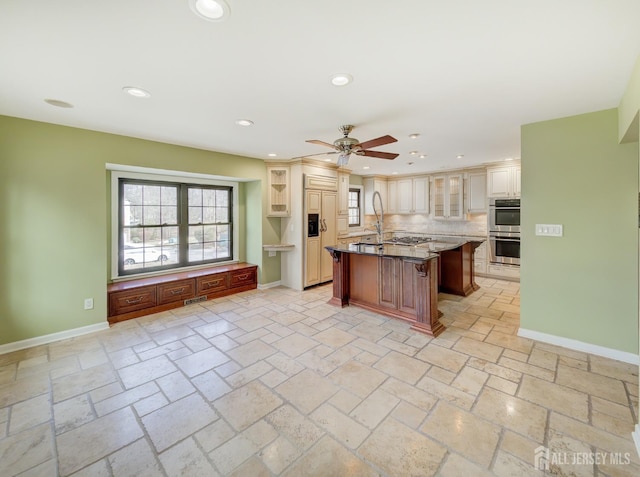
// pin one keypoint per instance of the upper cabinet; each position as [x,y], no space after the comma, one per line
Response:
[372,184]
[279,180]
[447,196]
[343,193]
[408,195]
[476,199]
[504,181]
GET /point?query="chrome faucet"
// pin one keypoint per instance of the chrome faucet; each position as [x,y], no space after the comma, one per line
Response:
[379,225]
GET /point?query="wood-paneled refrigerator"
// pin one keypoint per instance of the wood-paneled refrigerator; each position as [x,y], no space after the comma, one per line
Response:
[320,212]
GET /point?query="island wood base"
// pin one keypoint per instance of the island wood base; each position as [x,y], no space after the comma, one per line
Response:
[399,287]
[456,272]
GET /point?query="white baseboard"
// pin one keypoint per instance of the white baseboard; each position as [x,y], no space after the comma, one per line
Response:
[636,438]
[61,335]
[576,345]
[265,286]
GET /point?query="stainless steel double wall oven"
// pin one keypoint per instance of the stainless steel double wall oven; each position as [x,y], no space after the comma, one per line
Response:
[504,231]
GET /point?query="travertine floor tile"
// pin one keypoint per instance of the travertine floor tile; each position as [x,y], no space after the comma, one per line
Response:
[461,430]
[307,390]
[399,450]
[555,397]
[26,449]
[513,413]
[105,435]
[278,382]
[327,457]
[177,420]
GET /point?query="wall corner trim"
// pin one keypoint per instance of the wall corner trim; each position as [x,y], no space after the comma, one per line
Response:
[576,345]
[46,339]
[636,438]
[265,286]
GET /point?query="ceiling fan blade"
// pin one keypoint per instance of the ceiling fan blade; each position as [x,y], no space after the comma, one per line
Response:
[380,141]
[320,143]
[380,155]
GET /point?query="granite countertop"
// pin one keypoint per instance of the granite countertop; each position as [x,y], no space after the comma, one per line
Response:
[385,250]
[427,250]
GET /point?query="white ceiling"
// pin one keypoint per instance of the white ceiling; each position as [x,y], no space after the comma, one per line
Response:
[464,74]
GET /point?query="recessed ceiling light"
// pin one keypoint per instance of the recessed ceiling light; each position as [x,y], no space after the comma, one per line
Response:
[414,135]
[272,154]
[136,92]
[394,173]
[366,167]
[509,159]
[341,79]
[410,163]
[212,10]
[422,156]
[244,122]
[327,160]
[413,153]
[460,156]
[58,103]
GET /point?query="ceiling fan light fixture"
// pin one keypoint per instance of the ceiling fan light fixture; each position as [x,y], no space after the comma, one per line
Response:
[341,79]
[343,159]
[211,10]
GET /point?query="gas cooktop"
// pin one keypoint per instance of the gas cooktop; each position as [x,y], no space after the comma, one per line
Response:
[410,240]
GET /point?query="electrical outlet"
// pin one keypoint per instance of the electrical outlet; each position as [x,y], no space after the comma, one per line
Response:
[88,303]
[549,230]
[272,253]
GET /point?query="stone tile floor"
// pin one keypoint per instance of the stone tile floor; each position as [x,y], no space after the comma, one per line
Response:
[278,382]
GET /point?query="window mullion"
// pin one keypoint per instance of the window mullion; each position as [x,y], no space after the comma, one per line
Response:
[183,225]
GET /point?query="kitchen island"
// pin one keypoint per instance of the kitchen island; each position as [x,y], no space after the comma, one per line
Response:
[394,280]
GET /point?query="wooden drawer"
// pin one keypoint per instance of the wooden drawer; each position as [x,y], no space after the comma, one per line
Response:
[176,291]
[212,283]
[131,300]
[243,277]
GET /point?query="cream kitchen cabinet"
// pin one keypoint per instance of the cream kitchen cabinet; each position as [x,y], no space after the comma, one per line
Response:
[447,202]
[372,184]
[408,195]
[504,181]
[279,180]
[476,198]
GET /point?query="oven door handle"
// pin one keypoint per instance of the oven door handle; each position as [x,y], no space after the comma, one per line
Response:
[505,239]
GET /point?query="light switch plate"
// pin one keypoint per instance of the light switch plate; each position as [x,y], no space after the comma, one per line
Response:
[549,230]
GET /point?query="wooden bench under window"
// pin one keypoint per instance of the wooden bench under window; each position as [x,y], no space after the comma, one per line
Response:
[144,296]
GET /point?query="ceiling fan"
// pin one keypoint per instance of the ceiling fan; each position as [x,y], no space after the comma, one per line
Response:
[345,146]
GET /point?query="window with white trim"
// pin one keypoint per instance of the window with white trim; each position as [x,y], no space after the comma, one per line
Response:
[165,225]
[354,208]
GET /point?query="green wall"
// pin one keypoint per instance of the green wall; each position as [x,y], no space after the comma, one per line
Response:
[584,285]
[54,211]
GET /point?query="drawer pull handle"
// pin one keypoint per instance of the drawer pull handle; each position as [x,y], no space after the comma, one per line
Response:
[213,283]
[134,301]
[242,277]
[177,291]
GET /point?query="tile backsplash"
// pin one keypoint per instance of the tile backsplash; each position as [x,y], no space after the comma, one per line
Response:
[474,225]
